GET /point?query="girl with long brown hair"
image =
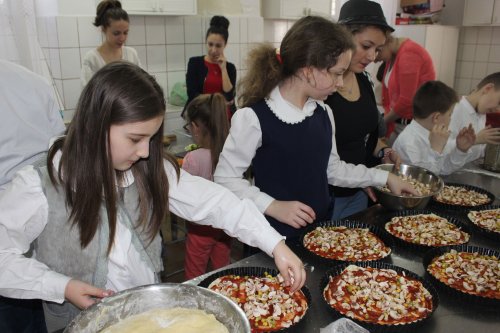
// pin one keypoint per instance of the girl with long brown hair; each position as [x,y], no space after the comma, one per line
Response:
[93,209]
[207,122]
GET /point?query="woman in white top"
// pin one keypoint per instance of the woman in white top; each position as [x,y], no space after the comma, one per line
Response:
[114,23]
[93,209]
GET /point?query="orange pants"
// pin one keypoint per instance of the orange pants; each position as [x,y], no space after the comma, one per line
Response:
[205,243]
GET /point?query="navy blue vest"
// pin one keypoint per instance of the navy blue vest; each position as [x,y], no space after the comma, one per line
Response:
[291,164]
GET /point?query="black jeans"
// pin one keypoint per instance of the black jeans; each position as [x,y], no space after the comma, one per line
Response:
[21,316]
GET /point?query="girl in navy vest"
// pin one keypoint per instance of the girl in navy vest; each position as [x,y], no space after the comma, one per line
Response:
[286,132]
[94,208]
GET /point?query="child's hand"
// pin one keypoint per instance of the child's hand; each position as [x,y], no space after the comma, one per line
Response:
[391,157]
[82,295]
[289,266]
[466,138]
[293,213]
[438,137]
[488,135]
[398,186]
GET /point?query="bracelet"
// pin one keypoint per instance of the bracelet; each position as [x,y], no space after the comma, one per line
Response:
[382,152]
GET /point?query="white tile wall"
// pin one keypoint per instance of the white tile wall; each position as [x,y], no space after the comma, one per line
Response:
[67,31]
[478,56]
[164,45]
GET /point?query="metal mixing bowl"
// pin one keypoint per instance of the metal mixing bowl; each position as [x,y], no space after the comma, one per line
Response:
[167,295]
[400,202]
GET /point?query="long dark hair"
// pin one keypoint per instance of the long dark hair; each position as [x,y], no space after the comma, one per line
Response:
[118,93]
[209,111]
[108,10]
[311,41]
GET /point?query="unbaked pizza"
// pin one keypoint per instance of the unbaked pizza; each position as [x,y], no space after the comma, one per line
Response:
[345,244]
[378,296]
[461,196]
[267,303]
[487,219]
[470,273]
[427,230]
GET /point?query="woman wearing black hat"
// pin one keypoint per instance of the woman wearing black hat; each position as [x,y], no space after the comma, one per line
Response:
[354,106]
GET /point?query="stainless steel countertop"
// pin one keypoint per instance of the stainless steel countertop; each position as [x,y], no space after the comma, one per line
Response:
[450,316]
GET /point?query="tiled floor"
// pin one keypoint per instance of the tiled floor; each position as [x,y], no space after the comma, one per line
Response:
[174,249]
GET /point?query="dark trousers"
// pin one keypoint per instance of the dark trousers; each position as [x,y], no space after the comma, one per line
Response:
[21,316]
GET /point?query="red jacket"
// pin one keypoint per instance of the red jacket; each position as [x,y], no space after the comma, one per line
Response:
[412,67]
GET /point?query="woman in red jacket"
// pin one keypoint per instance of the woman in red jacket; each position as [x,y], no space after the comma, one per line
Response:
[408,66]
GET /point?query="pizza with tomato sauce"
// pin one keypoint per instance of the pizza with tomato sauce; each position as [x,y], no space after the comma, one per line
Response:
[345,244]
[488,219]
[267,303]
[378,296]
[427,230]
[461,196]
[470,273]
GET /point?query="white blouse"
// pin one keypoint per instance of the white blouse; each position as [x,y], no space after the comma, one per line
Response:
[245,137]
[24,215]
[93,61]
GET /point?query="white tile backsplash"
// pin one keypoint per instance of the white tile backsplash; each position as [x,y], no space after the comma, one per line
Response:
[137,31]
[493,67]
[51,26]
[495,36]
[275,30]
[484,35]
[193,50]
[70,63]
[494,53]
[243,30]
[142,54]
[193,32]
[67,31]
[155,30]
[174,29]
[156,58]
[232,53]
[234,30]
[72,89]
[88,34]
[175,58]
[465,69]
[482,53]
[463,86]
[256,31]
[479,71]
[161,78]
[469,51]
[55,63]
[470,36]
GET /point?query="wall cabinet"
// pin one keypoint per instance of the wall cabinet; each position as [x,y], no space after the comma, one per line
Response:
[481,12]
[286,9]
[442,44]
[160,7]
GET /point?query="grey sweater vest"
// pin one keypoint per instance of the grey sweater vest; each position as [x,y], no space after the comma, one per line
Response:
[58,246]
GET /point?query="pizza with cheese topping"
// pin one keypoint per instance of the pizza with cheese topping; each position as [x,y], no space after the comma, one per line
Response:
[427,230]
[461,196]
[378,296]
[345,244]
[470,273]
[267,303]
[488,219]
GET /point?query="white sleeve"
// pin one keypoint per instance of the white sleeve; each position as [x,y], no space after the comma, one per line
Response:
[204,202]
[245,137]
[345,174]
[86,73]
[24,216]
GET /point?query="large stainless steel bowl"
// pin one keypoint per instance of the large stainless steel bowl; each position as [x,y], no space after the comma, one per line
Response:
[167,295]
[400,202]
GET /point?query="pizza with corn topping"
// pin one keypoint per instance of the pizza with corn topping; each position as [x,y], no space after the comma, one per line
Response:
[267,303]
[345,244]
[378,296]
[427,230]
[470,273]
[488,219]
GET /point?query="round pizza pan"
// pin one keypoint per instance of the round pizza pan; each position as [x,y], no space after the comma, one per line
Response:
[381,328]
[319,260]
[455,293]
[445,206]
[260,272]
[419,248]
[488,233]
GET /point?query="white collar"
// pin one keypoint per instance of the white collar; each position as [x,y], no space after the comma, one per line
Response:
[419,129]
[289,113]
[467,106]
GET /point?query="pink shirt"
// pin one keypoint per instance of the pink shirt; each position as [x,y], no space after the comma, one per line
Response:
[199,163]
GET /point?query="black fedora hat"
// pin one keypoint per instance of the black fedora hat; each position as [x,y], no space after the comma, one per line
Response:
[363,12]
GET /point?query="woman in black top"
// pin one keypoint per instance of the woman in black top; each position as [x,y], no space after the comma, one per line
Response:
[212,73]
[354,107]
